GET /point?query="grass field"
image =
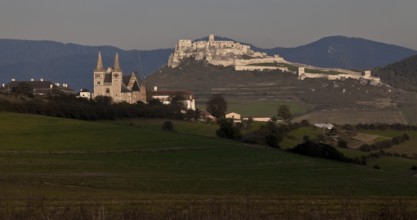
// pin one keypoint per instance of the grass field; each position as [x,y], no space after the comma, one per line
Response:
[71,161]
[391,164]
[263,108]
[410,113]
[296,137]
[409,147]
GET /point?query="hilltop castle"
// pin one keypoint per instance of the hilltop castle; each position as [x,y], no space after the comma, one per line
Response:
[242,58]
[219,53]
[112,83]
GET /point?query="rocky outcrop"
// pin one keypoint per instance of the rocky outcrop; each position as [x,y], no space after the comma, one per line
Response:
[219,53]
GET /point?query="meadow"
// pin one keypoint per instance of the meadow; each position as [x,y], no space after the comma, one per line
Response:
[64,162]
[261,108]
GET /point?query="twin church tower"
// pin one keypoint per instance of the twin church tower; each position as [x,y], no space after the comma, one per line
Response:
[111,82]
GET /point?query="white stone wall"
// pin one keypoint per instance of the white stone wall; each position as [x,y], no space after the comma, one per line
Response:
[373,80]
[260,68]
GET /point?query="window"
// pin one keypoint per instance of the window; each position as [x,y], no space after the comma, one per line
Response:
[107,90]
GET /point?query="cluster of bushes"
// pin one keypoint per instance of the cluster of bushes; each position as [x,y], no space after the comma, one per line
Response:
[385,144]
[320,150]
[397,126]
[383,153]
[269,134]
[67,106]
[228,129]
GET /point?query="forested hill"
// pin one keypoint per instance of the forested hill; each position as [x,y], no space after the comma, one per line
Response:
[402,74]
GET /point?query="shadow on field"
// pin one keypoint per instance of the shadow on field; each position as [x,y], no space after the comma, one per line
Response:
[253,208]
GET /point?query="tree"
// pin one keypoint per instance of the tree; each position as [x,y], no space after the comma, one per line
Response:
[178,101]
[342,143]
[249,122]
[217,106]
[284,113]
[228,130]
[168,126]
[104,100]
[23,88]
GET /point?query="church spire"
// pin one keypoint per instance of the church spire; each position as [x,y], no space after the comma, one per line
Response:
[99,66]
[116,63]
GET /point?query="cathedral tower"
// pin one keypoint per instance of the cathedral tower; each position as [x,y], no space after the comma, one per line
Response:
[117,76]
[99,74]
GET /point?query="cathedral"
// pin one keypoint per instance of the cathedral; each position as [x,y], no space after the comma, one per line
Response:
[111,82]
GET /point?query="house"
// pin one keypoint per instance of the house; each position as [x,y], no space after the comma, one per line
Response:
[165,97]
[235,116]
[84,93]
[327,126]
[112,83]
[39,87]
[206,116]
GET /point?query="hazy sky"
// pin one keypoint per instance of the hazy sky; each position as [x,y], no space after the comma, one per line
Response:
[139,24]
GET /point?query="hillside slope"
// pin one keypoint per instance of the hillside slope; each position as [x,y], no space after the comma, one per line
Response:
[344,101]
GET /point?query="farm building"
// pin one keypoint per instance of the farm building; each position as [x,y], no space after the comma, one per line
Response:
[235,116]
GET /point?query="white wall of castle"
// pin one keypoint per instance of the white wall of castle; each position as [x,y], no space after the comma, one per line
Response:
[260,68]
[373,80]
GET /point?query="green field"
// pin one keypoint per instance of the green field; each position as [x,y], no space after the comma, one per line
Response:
[408,147]
[70,161]
[263,108]
[410,113]
[296,137]
[391,164]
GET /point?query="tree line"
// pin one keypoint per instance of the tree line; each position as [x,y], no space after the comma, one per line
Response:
[101,108]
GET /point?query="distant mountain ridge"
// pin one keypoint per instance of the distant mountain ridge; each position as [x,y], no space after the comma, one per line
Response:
[344,52]
[73,63]
[70,63]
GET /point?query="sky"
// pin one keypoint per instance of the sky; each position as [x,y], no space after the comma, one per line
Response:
[153,24]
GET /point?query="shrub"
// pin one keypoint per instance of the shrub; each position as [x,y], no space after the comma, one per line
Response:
[228,130]
[376,166]
[321,138]
[168,126]
[305,123]
[310,148]
[342,143]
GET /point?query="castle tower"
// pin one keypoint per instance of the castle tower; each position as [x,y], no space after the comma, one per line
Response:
[98,79]
[211,38]
[210,41]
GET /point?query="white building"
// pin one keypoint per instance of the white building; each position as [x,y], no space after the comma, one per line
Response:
[235,116]
[165,97]
[85,94]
